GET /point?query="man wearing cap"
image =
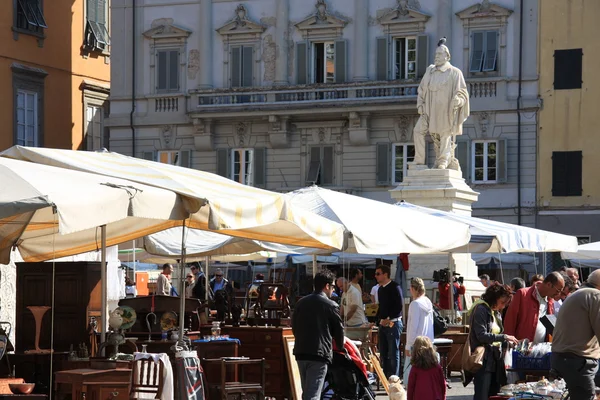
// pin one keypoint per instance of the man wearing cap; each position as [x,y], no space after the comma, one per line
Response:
[575,349]
[443,106]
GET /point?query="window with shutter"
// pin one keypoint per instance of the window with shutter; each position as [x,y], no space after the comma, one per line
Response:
[484,51]
[27,118]
[95,128]
[96,32]
[568,66]
[30,16]
[167,70]
[477,52]
[242,66]
[340,68]
[462,154]
[223,162]
[321,170]
[185,158]
[149,155]
[242,166]
[323,62]
[383,164]
[302,63]
[402,155]
[260,167]
[484,161]
[567,173]
[169,157]
[405,58]
[382,59]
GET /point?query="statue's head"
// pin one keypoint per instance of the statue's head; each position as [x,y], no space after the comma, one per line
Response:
[442,53]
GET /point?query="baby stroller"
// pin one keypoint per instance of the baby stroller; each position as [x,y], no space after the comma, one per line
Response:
[345,380]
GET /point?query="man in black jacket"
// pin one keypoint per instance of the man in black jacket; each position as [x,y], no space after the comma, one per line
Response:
[316,322]
[199,290]
[389,315]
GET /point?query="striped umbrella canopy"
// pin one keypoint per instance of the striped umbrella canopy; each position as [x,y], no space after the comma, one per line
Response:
[227,207]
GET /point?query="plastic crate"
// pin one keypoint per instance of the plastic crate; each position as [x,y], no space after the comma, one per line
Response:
[521,361]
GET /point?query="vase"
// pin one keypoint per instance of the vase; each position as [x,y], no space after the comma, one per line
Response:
[38,314]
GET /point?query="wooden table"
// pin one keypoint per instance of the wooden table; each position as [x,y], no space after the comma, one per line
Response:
[78,379]
[30,396]
[216,349]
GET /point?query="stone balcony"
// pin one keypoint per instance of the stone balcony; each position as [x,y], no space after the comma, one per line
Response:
[286,98]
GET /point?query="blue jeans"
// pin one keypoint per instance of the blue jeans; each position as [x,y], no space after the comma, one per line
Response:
[389,348]
[312,378]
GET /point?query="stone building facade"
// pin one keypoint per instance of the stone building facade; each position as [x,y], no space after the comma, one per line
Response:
[283,94]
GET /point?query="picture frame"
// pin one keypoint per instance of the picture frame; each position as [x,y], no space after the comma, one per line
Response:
[293,370]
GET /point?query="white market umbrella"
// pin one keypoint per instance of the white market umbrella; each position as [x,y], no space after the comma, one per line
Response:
[382,228]
[230,207]
[48,212]
[499,237]
[588,251]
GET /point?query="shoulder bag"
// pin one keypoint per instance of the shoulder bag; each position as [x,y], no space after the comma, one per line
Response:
[472,361]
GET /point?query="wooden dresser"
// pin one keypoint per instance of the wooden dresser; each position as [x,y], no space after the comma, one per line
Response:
[267,343]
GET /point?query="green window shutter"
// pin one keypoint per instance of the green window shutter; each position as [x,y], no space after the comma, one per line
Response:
[477,53]
[341,61]
[328,166]
[173,70]
[185,158]
[223,162]
[302,63]
[92,10]
[382,59]
[491,51]
[101,12]
[314,167]
[422,55]
[383,171]
[161,70]
[236,67]
[463,155]
[247,66]
[149,155]
[260,167]
[501,157]
[575,173]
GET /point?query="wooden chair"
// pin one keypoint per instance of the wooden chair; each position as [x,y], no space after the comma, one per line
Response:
[147,377]
[241,390]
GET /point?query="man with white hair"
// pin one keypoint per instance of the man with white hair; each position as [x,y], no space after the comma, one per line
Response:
[574,275]
[443,106]
[575,349]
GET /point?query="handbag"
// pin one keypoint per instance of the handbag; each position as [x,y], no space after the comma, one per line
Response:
[472,361]
[440,325]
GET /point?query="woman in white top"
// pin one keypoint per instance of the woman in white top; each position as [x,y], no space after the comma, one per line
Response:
[420,320]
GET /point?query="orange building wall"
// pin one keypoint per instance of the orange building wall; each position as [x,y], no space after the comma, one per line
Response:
[61,58]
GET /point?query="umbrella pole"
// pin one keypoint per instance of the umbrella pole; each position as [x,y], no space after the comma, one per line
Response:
[182,286]
[451,291]
[104,286]
[133,245]
[206,279]
[314,265]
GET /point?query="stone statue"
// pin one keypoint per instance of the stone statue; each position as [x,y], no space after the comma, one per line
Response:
[443,106]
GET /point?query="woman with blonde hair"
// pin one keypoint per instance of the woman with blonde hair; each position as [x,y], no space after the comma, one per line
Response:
[426,379]
[420,321]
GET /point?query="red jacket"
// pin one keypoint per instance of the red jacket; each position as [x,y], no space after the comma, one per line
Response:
[523,313]
[443,289]
[426,384]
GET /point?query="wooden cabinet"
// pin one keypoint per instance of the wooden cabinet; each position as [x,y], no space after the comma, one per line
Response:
[86,382]
[77,296]
[106,391]
[267,343]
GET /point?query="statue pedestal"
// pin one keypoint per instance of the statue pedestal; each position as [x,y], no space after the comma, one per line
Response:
[445,190]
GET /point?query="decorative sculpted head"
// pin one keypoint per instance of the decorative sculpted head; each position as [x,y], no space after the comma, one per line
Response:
[321,7]
[442,53]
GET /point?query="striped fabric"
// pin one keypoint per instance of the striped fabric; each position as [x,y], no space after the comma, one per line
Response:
[214,202]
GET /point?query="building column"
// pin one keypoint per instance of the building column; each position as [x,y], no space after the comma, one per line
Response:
[282,42]
[361,48]
[206,47]
[444,25]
